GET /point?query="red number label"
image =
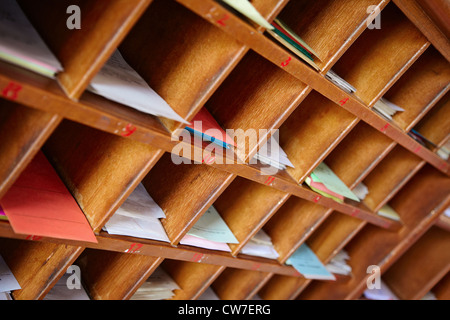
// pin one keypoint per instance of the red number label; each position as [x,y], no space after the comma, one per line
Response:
[134,248]
[285,63]
[128,130]
[208,159]
[417,150]
[197,257]
[355,212]
[35,238]
[256,266]
[222,21]
[269,181]
[384,128]
[316,199]
[11,91]
[343,101]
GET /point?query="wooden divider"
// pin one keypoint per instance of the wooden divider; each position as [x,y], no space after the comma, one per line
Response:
[82,52]
[25,130]
[441,290]
[37,266]
[411,280]
[372,246]
[202,54]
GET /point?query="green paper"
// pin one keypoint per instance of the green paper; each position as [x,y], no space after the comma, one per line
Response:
[211,227]
[332,181]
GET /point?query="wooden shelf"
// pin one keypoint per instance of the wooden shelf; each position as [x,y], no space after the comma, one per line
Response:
[201,53]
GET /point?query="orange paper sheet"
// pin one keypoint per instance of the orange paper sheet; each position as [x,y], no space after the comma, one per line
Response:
[39,204]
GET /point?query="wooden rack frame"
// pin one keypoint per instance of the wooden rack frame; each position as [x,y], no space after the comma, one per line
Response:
[197,53]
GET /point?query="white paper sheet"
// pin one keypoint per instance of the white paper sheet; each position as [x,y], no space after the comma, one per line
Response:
[159,286]
[260,245]
[384,293]
[7,280]
[21,44]
[61,291]
[133,227]
[272,154]
[140,204]
[117,81]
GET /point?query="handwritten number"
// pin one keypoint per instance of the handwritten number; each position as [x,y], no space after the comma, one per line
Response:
[11,91]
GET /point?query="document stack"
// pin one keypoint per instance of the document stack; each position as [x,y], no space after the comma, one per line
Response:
[209,294]
[260,245]
[272,155]
[306,262]
[338,265]
[278,30]
[119,82]
[210,232]
[341,83]
[138,217]
[325,182]
[2,214]
[20,44]
[159,286]
[383,293]
[386,108]
[361,191]
[388,212]
[8,282]
[64,289]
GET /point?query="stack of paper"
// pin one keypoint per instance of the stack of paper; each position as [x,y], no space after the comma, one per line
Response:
[272,155]
[8,282]
[61,290]
[38,203]
[387,212]
[306,262]
[429,296]
[138,217]
[287,37]
[2,214]
[210,232]
[325,182]
[159,286]
[205,126]
[278,30]
[386,108]
[361,191]
[384,293]
[20,43]
[209,294]
[260,245]
[119,82]
[338,265]
[422,139]
[444,151]
[341,83]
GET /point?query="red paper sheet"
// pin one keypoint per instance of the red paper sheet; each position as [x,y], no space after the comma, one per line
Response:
[209,123]
[39,204]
